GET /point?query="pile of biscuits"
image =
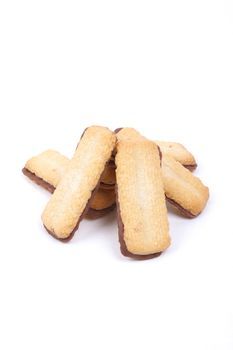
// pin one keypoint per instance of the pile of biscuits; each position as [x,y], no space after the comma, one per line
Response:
[122,169]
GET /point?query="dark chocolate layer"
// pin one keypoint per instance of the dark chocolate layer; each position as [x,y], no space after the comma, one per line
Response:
[182,210]
[117,130]
[96,214]
[39,181]
[190,167]
[105,186]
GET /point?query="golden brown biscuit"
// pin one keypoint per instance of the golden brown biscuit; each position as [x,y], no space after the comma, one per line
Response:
[72,197]
[179,153]
[93,214]
[142,213]
[109,176]
[47,169]
[182,188]
[103,199]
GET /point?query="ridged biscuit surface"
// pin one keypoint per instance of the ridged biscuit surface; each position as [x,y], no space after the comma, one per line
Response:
[183,190]
[70,199]
[141,199]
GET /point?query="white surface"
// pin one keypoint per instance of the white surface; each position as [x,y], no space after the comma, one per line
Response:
[166,68]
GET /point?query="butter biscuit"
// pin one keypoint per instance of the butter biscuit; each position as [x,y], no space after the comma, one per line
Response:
[183,190]
[72,197]
[142,214]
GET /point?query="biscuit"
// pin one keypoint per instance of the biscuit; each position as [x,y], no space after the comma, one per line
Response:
[103,199]
[182,188]
[47,169]
[142,213]
[179,153]
[72,197]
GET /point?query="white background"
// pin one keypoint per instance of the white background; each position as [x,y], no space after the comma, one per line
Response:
[165,68]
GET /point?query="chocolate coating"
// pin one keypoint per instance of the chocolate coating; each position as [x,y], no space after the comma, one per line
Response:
[183,211]
[96,214]
[190,167]
[38,180]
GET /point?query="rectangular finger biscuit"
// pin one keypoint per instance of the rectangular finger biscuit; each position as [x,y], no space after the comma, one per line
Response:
[142,213]
[182,188]
[179,153]
[72,197]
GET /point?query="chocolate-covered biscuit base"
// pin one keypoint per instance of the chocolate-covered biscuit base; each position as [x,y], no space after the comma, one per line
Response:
[96,214]
[38,180]
[183,190]
[72,197]
[142,213]
[181,210]
[93,213]
[190,167]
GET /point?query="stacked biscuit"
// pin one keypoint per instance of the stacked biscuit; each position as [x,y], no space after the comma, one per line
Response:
[122,168]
